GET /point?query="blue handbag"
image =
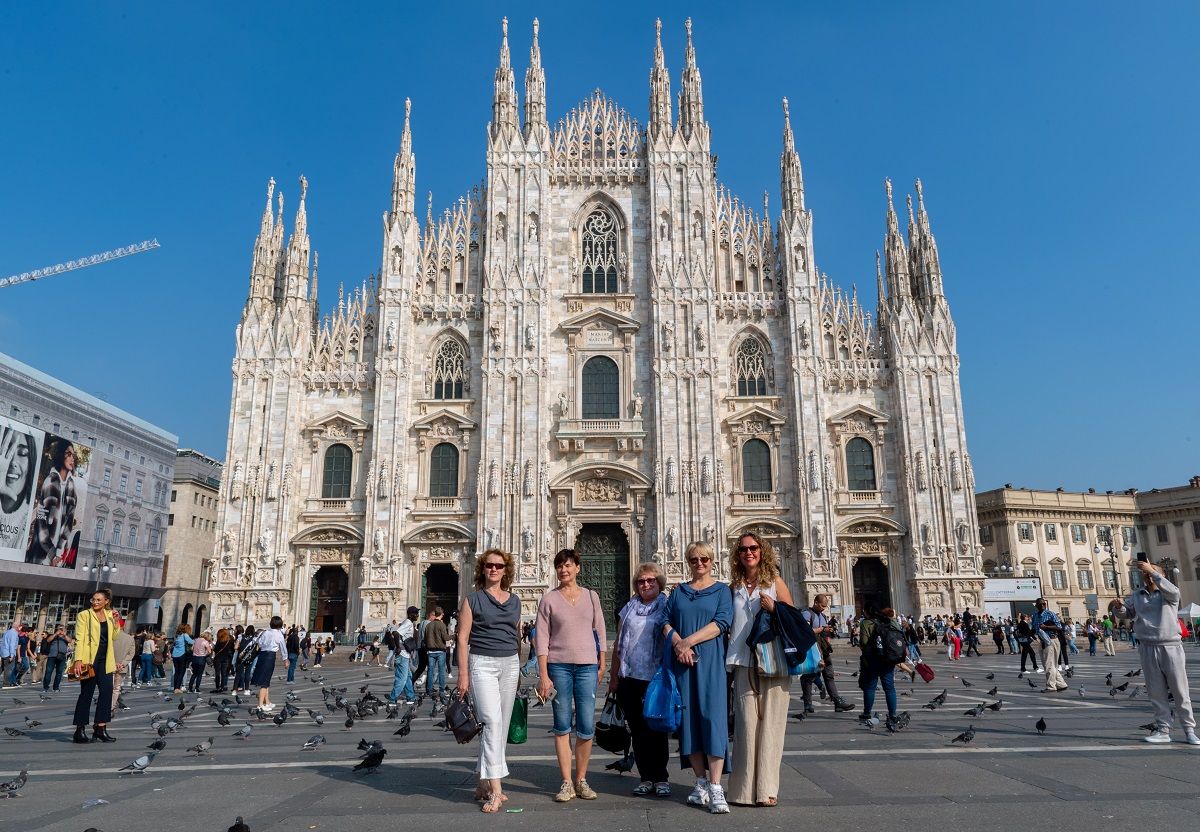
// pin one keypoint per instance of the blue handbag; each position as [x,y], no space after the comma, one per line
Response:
[811,663]
[662,706]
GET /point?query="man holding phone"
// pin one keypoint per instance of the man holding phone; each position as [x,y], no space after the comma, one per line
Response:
[1155,612]
[1046,627]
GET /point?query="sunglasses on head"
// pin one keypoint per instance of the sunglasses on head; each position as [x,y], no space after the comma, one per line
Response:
[698,561]
[744,549]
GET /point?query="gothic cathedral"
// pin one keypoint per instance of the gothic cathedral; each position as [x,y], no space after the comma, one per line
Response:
[598,347]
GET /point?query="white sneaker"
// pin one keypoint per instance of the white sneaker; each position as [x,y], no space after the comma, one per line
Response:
[1160,735]
[1191,739]
[716,800]
[700,793]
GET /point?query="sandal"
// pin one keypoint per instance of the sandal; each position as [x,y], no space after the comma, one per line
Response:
[662,789]
[770,801]
[643,788]
[492,804]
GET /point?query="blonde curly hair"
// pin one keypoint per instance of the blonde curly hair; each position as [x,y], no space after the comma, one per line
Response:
[768,564]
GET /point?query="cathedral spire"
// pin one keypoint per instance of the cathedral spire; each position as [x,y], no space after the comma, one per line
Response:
[927,268]
[535,90]
[660,89]
[691,97]
[261,276]
[791,178]
[504,94]
[895,252]
[404,172]
[298,247]
[429,218]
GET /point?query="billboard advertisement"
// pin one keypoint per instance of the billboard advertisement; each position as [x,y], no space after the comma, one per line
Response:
[43,486]
[20,452]
[1012,589]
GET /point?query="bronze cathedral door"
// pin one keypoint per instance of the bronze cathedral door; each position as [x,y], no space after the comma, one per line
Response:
[604,551]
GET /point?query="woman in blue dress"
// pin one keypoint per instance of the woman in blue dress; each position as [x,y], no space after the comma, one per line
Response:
[697,618]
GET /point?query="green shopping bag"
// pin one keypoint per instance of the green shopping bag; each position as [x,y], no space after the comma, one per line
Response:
[518,726]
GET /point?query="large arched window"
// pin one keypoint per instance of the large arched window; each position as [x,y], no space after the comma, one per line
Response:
[600,254]
[601,389]
[336,482]
[750,365]
[860,465]
[443,471]
[756,466]
[449,370]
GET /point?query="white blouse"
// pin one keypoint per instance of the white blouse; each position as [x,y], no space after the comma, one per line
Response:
[745,608]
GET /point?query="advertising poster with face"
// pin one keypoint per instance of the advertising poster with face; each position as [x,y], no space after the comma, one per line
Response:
[58,503]
[20,448]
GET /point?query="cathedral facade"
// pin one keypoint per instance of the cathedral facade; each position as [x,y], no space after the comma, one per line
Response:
[597,347]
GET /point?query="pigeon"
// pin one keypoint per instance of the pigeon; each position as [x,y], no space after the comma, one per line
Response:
[349,723]
[363,745]
[372,761]
[280,718]
[19,702]
[1133,673]
[854,675]
[967,684]
[202,748]
[140,764]
[244,731]
[292,697]
[899,723]
[799,715]
[976,711]
[14,785]
[997,705]
[239,825]
[992,692]
[1040,725]
[940,699]
[1082,691]
[14,732]
[157,745]
[1121,687]
[990,676]
[622,765]
[1133,694]
[1149,726]
[403,730]
[966,736]
[312,743]
[1108,680]
[31,723]
[223,719]
[1032,683]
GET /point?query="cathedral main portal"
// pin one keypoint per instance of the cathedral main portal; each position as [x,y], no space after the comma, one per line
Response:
[330,597]
[604,551]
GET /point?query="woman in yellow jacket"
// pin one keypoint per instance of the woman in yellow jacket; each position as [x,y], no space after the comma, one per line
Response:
[95,633]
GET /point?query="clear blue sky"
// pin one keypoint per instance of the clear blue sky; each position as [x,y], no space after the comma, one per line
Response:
[1057,142]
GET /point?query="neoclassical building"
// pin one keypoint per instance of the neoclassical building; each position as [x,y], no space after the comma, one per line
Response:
[597,346]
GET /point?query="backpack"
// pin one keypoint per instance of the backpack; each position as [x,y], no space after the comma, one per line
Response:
[248,651]
[888,643]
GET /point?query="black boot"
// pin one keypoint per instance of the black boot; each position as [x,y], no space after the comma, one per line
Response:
[80,736]
[100,732]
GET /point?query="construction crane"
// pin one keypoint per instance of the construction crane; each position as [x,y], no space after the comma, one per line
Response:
[81,263]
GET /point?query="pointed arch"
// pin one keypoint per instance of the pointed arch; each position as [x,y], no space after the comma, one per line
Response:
[752,363]
[448,361]
[601,244]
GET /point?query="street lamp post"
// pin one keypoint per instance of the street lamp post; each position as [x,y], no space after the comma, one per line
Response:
[1112,561]
[102,566]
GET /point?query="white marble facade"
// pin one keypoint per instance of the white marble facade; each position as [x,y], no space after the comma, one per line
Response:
[595,238]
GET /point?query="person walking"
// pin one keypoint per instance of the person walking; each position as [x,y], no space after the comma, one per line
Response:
[760,703]
[8,651]
[913,637]
[488,666]
[201,649]
[1107,626]
[146,659]
[56,659]
[697,617]
[179,654]
[292,639]
[271,645]
[998,637]
[1046,627]
[402,684]
[123,652]
[570,631]
[1155,612]
[222,660]
[823,627]
[1093,635]
[436,636]
[95,632]
[1025,641]
[244,658]
[875,667]
[637,655]
[1071,632]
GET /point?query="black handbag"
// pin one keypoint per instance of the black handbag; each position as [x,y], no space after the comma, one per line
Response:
[612,734]
[461,719]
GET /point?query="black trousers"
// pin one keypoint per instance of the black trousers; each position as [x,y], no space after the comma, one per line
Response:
[198,665]
[221,667]
[806,684]
[1027,650]
[650,750]
[422,663]
[181,665]
[999,645]
[87,689]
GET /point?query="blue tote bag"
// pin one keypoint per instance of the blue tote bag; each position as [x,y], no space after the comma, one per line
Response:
[663,705]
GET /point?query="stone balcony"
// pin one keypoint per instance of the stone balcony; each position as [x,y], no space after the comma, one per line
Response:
[329,507]
[756,502]
[443,507]
[580,435]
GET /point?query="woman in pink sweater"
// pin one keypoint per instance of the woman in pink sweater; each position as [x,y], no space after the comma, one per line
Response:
[570,650]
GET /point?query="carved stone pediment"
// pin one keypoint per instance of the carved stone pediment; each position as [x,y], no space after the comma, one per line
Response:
[599,489]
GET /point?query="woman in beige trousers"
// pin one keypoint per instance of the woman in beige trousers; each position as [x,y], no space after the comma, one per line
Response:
[760,703]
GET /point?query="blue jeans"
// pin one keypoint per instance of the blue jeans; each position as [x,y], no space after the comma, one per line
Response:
[292,659]
[914,652]
[574,698]
[435,679]
[402,686]
[1071,646]
[146,663]
[869,676]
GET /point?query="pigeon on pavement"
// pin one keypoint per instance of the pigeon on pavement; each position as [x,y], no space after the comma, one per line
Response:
[239,825]
[31,723]
[141,763]
[1133,673]
[967,684]
[992,692]
[990,676]
[313,742]
[372,761]
[997,705]
[1040,725]
[202,748]
[622,765]
[976,711]
[1108,680]
[14,785]
[966,736]
[14,732]
[244,731]
[1082,691]
[157,745]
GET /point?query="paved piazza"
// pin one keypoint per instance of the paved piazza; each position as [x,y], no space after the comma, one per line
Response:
[1090,769]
